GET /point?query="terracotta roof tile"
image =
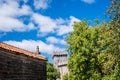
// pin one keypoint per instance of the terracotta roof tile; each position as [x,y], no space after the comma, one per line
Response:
[22,51]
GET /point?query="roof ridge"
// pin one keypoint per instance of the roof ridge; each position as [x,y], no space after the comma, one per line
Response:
[20,50]
[16,47]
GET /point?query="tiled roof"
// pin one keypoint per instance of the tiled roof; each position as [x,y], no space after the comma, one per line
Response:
[22,51]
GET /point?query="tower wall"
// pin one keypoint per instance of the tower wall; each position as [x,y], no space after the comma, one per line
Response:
[60,62]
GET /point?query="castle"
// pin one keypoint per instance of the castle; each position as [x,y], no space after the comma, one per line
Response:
[60,62]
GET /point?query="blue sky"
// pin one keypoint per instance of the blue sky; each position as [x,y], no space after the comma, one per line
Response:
[45,23]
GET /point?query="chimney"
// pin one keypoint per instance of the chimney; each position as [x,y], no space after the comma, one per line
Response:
[37,50]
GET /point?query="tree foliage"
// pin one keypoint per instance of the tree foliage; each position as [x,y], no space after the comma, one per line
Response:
[95,51]
[87,48]
[114,24]
[66,77]
[52,73]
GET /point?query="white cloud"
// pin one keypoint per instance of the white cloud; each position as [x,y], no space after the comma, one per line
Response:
[9,8]
[25,10]
[30,26]
[41,4]
[73,19]
[88,1]
[26,44]
[25,1]
[49,25]
[55,40]
[46,24]
[8,24]
[12,8]
[64,29]
[9,11]
[61,21]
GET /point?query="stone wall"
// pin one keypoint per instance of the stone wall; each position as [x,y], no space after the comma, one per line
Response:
[17,66]
[63,70]
[60,62]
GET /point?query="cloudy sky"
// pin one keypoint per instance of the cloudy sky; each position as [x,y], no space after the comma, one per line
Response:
[45,23]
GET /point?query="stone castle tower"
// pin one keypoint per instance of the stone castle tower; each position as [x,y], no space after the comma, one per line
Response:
[60,62]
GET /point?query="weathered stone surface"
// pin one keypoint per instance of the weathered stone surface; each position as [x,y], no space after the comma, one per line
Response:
[17,66]
[60,62]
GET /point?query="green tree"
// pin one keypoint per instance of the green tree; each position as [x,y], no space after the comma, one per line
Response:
[83,47]
[90,54]
[52,73]
[95,51]
[114,24]
[66,77]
